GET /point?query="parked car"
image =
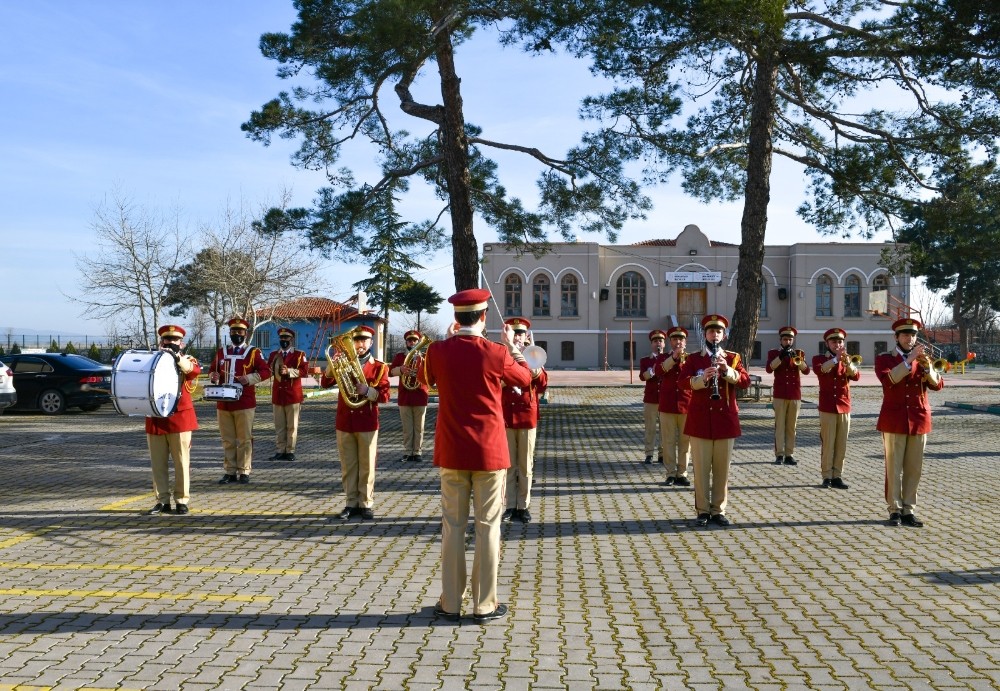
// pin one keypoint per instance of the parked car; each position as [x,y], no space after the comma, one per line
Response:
[53,382]
[8,394]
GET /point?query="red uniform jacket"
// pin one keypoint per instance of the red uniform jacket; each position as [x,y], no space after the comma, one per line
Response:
[651,394]
[834,386]
[905,408]
[364,418]
[405,396]
[286,390]
[520,405]
[787,377]
[252,362]
[183,419]
[673,399]
[468,370]
[708,419]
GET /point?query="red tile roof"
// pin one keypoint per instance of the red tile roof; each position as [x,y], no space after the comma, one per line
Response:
[315,308]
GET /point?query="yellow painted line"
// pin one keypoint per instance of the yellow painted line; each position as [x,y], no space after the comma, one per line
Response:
[10,542]
[19,687]
[120,506]
[125,502]
[133,595]
[75,566]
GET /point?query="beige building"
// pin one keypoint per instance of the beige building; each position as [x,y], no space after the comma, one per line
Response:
[589,304]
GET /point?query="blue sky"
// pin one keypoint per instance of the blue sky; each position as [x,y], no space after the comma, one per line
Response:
[148,98]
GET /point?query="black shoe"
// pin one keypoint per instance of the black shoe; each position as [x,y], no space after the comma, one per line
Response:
[670,481]
[702,520]
[790,461]
[649,460]
[450,616]
[912,521]
[508,515]
[524,516]
[500,611]
[279,457]
[346,513]
[182,510]
[827,482]
[160,508]
[720,519]
[406,459]
[417,458]
[367,514]
[289,456]
[682,481]
[894,520]
[226,479]
[244,478]
[660,460]
[838,483]
[778,460]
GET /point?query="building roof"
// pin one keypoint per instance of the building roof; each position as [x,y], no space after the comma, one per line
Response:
[673,243]
[318,308]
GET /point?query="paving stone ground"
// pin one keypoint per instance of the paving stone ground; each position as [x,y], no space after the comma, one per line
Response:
[609,587]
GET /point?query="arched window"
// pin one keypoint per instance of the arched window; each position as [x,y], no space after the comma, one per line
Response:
[512,296]
[852,297]
[569,297]
[630,295]
[540,297]
[824,297]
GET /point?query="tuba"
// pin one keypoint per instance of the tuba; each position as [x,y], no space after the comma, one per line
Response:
[414,357]
[346,369]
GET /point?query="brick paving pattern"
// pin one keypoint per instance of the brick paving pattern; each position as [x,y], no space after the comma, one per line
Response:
[609,586]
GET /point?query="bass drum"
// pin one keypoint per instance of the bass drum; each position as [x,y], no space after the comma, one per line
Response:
[145,383]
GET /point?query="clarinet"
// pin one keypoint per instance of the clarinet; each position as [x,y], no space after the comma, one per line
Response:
[713,348]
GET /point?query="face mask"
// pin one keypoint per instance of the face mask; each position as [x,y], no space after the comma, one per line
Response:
[285,344]
[173,346]
[237,339]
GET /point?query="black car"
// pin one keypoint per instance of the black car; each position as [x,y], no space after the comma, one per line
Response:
[53,382]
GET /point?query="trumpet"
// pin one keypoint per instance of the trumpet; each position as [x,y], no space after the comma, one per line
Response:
[346,369]
[798,357]
[855,360]
[941,365]
[412,360]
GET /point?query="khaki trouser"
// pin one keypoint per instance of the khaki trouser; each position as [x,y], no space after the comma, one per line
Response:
[486,488]
[786,418]
[711,474]
[286,426]
[676,445]
[651,416]
[236,428]
[834,429]
[412,417]
[357,466]
[904,459]
[517,485]
[162,447]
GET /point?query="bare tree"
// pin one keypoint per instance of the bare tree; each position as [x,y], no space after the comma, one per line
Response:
[930,305]
[126,277]
[242,271]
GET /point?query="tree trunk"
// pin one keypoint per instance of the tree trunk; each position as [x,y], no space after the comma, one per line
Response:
[757,195]
[455,152]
